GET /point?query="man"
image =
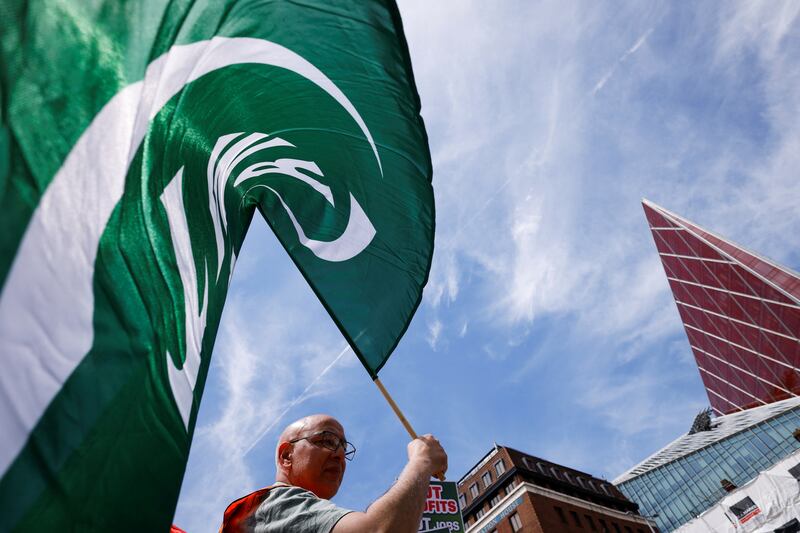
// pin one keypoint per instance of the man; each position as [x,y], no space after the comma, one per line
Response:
[310,463]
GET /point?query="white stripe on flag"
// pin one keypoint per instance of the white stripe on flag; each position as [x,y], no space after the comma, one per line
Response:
[47,303]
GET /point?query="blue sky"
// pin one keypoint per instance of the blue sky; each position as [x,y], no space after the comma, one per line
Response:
[547,324]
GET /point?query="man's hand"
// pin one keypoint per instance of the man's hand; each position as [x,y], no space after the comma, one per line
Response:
[427,451]
[400,509]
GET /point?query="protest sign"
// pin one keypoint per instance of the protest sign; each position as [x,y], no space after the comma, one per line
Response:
[442,513]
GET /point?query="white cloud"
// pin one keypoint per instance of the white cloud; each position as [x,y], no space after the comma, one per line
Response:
[763,207]
[633,301]
[490,352]
[434,331]
[630,406]
[510,176]
[443,282]
[524,190]
[756,25]
[538,174]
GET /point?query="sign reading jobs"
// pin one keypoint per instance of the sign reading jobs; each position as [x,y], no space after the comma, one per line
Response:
[442,514]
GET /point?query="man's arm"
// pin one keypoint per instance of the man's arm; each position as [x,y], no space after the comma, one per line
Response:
[400,509]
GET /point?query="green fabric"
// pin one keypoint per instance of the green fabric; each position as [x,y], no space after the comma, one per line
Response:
[296,510]
[117,250]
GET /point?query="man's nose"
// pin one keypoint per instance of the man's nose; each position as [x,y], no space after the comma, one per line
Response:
[339,452]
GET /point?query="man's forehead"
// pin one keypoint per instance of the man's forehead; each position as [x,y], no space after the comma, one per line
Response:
[324,423]
[309,425]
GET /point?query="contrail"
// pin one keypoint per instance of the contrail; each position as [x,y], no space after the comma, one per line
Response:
[296,401]
[600,84]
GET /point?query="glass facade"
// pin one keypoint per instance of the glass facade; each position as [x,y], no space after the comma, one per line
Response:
[686,486]
[741,313]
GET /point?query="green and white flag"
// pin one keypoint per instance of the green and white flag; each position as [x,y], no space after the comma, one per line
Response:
[137,139]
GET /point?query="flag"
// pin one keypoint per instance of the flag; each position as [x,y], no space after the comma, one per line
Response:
[137,140]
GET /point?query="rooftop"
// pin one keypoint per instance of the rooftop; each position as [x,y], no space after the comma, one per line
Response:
[539,472]
[721,428]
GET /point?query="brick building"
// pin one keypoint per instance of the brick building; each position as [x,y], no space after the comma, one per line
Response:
[509,491]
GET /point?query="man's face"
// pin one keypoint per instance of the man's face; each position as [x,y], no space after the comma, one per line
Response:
[315,467]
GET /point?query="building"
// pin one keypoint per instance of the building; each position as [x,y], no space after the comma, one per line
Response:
[691,474]
[741,313]
[508,491]
[770,502]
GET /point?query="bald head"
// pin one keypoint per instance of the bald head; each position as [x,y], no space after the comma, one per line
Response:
[299,428]
[305,464]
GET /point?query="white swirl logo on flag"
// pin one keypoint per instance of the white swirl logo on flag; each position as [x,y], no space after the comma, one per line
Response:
[228,152]
[359,230]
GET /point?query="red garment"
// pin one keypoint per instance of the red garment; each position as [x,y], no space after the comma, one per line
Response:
[175,529]
[238,512]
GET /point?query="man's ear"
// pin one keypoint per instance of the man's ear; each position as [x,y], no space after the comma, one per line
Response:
[285,454]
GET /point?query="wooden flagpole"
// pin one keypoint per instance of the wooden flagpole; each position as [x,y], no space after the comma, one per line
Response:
[401,416]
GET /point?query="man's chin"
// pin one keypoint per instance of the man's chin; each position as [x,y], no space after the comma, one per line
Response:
[330,485]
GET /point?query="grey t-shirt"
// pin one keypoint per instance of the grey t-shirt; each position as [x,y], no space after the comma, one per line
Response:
[296,510]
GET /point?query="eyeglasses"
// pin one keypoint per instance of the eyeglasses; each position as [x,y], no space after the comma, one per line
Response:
[330,441]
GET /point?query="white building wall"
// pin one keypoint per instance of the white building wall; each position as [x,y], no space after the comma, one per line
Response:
[775,494]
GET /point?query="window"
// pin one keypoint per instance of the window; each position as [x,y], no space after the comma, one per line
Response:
[590,520]
[510,486]
[795,471]
[494,501]
[479,513]
[603,526]
[462,500]
[616,527]
[487,479]
[473,489]
[499,467]
[576,518]
[560,513]
[516,523]
[628,530]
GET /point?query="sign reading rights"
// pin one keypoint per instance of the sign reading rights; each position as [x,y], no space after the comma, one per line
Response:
[442,513]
